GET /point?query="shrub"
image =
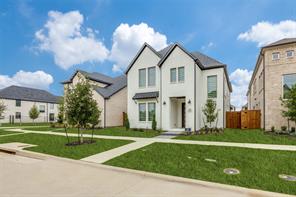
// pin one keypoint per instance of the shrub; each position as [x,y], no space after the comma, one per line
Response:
[154,123]
[284,128]
[52,125]
[272,129]
[126,123]
[141,130]
[292,129]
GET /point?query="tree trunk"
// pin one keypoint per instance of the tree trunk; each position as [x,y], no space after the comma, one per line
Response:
[67,134]
[78,134]
[81,137]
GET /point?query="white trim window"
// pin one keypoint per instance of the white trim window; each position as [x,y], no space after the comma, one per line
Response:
[18,115]
[288,81]
[181,74]
[142,77]
[173,75]
[275,56]
[142,112]
[51,106]
[41,108]
[290,53]
[151,76]
[151,110]
[212,86]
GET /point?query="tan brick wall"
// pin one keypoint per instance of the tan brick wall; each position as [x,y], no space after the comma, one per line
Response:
[115,106]
[275,69]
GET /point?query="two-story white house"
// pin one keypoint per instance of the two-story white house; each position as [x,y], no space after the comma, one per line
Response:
[174,84]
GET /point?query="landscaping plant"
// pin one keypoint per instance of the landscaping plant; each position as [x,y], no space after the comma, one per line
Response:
[34,113]
[126,123]
[284,128]
[290,104]
[210,112]
[154,123]
[80,107]
[272,129]
[2,108]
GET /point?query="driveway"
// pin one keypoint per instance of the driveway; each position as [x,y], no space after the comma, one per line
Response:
[23,176]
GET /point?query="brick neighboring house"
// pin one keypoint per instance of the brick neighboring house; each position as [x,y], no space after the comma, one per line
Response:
[273,76]
[110,94]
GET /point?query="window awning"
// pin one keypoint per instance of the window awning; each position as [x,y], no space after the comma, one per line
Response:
[146,95]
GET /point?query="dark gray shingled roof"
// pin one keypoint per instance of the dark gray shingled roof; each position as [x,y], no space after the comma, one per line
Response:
[95,76]
[207,61]
[28,94]
[280,42]
[118,84]
[146,95]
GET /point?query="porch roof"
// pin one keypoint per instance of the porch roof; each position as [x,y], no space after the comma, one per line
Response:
[146,95]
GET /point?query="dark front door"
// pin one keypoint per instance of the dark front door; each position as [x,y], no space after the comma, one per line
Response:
[183,115]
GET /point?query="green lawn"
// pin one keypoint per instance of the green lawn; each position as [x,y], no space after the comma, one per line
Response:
[3,132]
[259,168]
[55,145]
[112,131]
[244,136]
[25,124]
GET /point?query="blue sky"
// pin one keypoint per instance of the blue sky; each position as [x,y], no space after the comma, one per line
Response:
[108,33]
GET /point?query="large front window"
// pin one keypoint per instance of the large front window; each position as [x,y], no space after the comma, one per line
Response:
[212,86]
[18,103]
[142,77]
[151,111]
[288,82]
[151,76]
[142,111]
[41,108]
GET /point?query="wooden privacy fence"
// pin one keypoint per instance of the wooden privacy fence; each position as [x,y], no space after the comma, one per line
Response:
[246,119]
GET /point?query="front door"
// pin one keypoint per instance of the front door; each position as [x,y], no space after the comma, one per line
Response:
[183,115]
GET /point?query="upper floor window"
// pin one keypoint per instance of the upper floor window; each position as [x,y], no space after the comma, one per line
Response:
[142,77]
[181,74]
[41,108]
[212,86]
[275,56]
[290,53]
[151,76]
[173,73]
[51,106]
[18,103]
[288,81]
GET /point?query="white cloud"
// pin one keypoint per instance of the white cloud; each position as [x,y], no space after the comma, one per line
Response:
[63,36]
[265,32]
[38,79]
[240,79]
[208,46]
[128,39]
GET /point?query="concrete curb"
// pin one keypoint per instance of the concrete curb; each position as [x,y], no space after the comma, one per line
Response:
[239,189]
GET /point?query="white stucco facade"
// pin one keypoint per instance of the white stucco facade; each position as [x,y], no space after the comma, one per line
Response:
[190,93]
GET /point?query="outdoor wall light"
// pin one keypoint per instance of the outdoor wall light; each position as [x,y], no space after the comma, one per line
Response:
[189,101]
[164,102]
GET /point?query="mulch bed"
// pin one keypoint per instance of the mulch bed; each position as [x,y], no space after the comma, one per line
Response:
[77,143]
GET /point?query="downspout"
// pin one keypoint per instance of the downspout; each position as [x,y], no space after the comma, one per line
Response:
[160,98]
[104,113]
[195,97]
[263,90]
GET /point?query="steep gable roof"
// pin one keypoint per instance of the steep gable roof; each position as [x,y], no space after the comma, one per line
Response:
[118,84]
[95,76]
[281,42]
[28,94]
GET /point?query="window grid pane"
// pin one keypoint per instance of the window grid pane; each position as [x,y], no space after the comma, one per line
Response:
[173,74]
[151,76]
[181,74]
[288,82]
[142,111]
[212,86]
[151,111]
[142,77]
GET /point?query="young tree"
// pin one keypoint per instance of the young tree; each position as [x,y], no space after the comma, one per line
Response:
[79,106]
[95,117]
[61,114]
[126,123]
[34,113]
[154,123]
[210,112]
[290,104]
